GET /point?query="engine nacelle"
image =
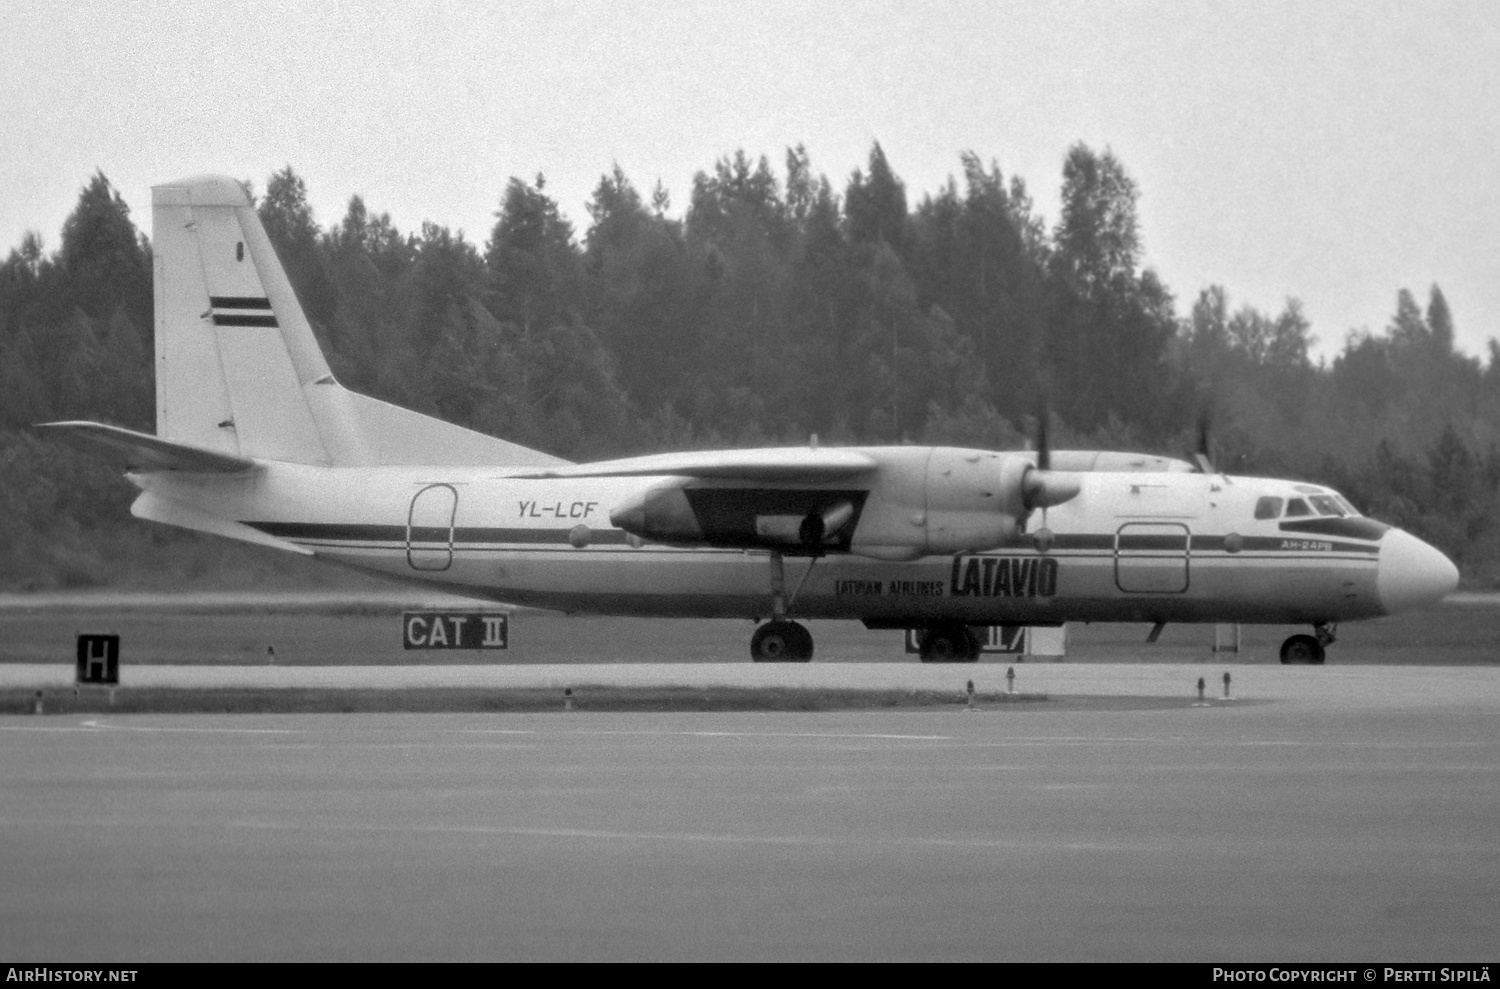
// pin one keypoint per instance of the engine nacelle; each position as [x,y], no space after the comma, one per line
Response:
[964,501]
[975,500]
[922,501]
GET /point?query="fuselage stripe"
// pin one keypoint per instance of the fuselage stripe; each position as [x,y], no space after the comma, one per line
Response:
[353,532]
[1202,549]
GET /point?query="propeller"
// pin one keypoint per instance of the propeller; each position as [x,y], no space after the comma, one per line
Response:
[1043,487]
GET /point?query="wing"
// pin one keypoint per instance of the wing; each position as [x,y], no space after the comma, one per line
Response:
[745,515]
[143,452]
[801,464]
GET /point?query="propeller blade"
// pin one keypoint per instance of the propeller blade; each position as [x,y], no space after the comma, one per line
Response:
[1043,447]
[1201,456]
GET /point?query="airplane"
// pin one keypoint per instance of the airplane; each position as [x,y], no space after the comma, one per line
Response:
[256,441]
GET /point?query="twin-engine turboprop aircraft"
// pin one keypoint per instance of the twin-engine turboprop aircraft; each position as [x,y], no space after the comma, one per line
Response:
[256,441]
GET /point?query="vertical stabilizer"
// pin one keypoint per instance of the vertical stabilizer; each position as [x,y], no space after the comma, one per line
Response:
[233,350]
[238,370]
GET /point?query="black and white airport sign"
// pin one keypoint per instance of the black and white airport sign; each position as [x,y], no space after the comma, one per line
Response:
[99,659]
[454,630]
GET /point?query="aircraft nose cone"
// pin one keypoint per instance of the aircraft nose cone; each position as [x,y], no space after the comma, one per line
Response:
[1412,573]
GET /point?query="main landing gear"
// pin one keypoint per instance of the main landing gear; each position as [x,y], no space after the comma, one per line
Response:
[948,643]
[780,640]
[1309,649]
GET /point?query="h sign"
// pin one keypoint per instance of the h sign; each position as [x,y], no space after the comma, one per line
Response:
[99,659]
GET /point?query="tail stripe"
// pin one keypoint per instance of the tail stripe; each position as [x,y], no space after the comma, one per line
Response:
[228,310]
[238,302]
[237,319]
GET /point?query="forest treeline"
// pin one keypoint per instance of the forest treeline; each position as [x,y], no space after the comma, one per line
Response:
[773,307]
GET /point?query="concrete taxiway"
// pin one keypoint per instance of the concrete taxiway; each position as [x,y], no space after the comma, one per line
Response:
[1336,813]
[1457,688]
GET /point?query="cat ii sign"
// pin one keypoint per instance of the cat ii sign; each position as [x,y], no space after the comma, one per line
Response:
[454,630]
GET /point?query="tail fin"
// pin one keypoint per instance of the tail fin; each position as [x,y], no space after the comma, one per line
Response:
[238,371]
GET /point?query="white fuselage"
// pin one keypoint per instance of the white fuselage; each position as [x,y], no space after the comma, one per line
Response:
[1168,547]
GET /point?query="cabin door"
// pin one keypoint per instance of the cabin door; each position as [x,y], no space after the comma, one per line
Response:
[1151,558]
[429,528]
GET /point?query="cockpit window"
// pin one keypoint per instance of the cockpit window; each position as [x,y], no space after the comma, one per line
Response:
[1268,507]
[1326,505]
[1348,508]
[1297,507]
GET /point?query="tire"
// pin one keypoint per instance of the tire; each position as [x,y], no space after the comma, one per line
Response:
[1302,649]
[949,644]
[781,642]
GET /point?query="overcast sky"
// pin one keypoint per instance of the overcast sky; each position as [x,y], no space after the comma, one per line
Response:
[1331,151]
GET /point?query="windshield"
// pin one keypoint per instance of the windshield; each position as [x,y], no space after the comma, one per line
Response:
[1330,505]
[1327,505]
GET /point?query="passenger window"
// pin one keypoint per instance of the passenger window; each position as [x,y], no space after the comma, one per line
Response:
[1326,505]
[1268,508]
[1297,507]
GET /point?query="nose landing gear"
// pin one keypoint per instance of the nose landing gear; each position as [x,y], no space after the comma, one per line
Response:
[1309,649]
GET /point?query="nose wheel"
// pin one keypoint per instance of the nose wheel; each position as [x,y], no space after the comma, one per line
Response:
[1309,649]
[1301,649]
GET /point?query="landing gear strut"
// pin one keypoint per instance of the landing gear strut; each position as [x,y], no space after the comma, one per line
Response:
[949,643]
[1309,648]
[780,640]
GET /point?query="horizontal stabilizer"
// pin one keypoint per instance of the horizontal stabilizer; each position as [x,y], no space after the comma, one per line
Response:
[154,508]
[779,464]
[142,452]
